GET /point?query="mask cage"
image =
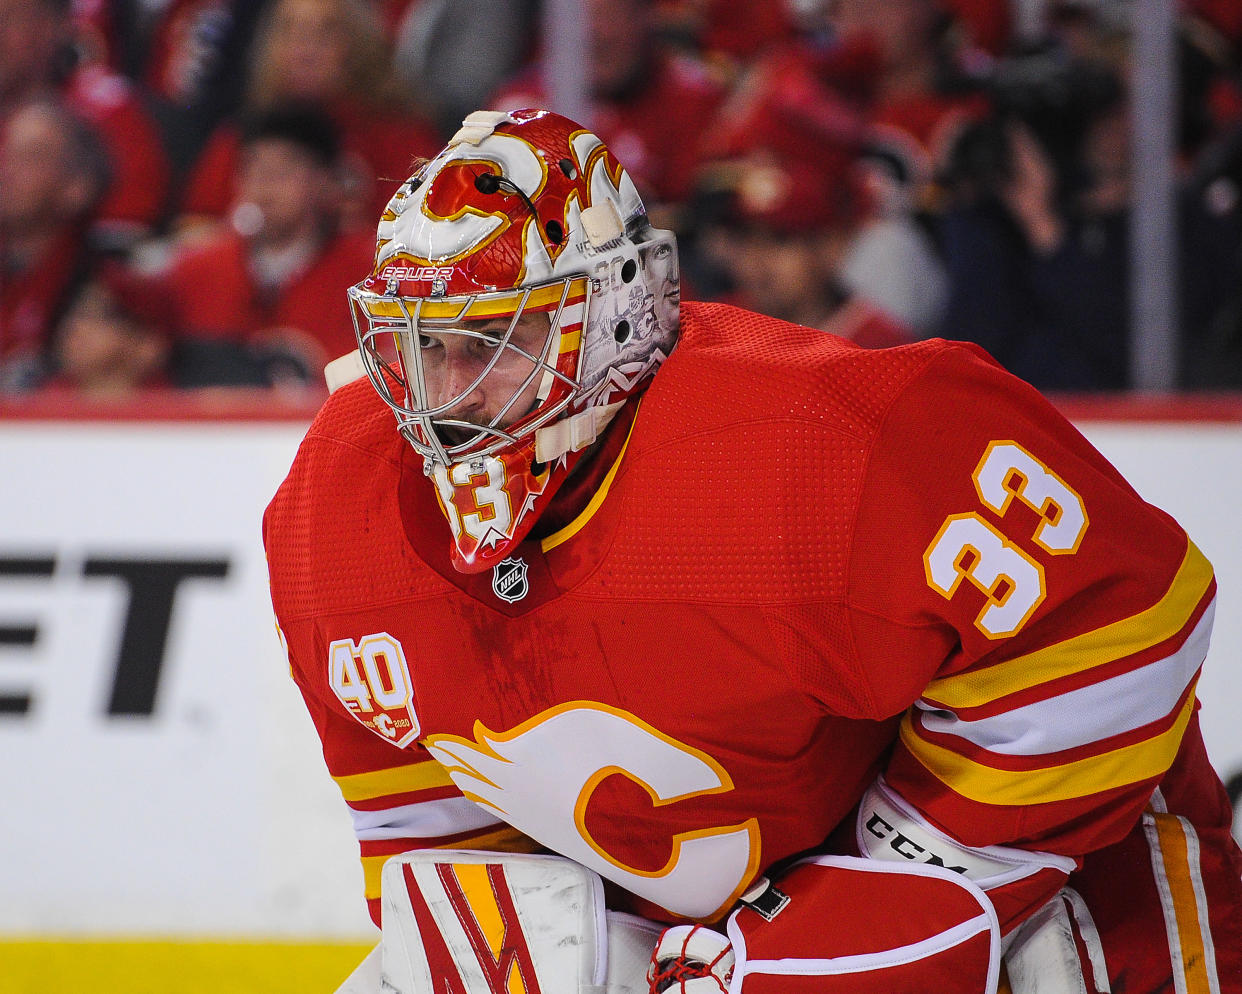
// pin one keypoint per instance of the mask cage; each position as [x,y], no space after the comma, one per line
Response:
[389,330]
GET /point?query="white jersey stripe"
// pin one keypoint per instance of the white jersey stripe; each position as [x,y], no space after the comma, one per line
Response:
[1088,714]
[426,820]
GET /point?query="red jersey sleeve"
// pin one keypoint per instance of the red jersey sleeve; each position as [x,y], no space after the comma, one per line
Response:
[1039,624]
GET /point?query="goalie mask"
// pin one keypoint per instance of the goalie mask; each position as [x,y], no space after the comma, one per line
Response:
[519,297]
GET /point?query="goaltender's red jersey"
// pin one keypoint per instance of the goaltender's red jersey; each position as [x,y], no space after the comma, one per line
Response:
[806,565]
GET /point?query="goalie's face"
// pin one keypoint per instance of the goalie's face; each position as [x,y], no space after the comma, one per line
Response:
[480,374]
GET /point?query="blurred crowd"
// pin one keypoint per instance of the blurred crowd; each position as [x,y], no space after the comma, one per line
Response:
[187,187]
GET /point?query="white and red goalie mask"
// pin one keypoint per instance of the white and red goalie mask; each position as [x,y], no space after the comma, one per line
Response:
[522,214]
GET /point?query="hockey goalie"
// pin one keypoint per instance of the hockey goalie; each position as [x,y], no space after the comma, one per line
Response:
[663,646]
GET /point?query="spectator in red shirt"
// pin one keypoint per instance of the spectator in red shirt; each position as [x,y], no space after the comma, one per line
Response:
[915,91]
[37,59]
[263,299]
[812,103]
[780,228]
[52,174]
[650,105]
[331,53]
[880,71]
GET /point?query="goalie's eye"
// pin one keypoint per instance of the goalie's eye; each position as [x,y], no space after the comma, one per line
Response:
[426,343]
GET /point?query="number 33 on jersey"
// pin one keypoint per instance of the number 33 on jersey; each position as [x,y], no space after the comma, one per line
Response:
[970,547]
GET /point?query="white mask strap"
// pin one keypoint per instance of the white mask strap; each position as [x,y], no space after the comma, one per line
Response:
[573,433]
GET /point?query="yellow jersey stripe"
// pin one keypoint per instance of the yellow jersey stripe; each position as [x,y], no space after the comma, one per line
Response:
[1175,878]
[501,840]
[396,780]
[1064,782]
[1091,713]
[1083,652]
[570,530]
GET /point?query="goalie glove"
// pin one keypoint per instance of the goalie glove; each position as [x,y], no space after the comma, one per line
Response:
[479,922]
[1056,951]
[691,959]
[841,925]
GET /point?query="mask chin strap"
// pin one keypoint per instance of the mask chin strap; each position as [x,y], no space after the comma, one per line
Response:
[573,433]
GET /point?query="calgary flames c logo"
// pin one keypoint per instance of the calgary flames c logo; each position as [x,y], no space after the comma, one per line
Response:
[540,776]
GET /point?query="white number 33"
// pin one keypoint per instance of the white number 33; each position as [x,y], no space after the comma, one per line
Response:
[969,547]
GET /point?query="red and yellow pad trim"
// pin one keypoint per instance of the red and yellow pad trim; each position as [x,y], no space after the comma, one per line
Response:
[1179,879]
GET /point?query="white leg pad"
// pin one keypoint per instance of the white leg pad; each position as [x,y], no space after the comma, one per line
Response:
[1042,956]
[472,922]
[631,941]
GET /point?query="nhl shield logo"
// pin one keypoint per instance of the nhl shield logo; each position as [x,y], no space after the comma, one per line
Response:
[509,579]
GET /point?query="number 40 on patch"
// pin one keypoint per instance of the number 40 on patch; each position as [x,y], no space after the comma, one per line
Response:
[372,680]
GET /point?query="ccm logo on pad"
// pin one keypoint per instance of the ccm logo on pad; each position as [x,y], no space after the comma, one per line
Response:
[904,846]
